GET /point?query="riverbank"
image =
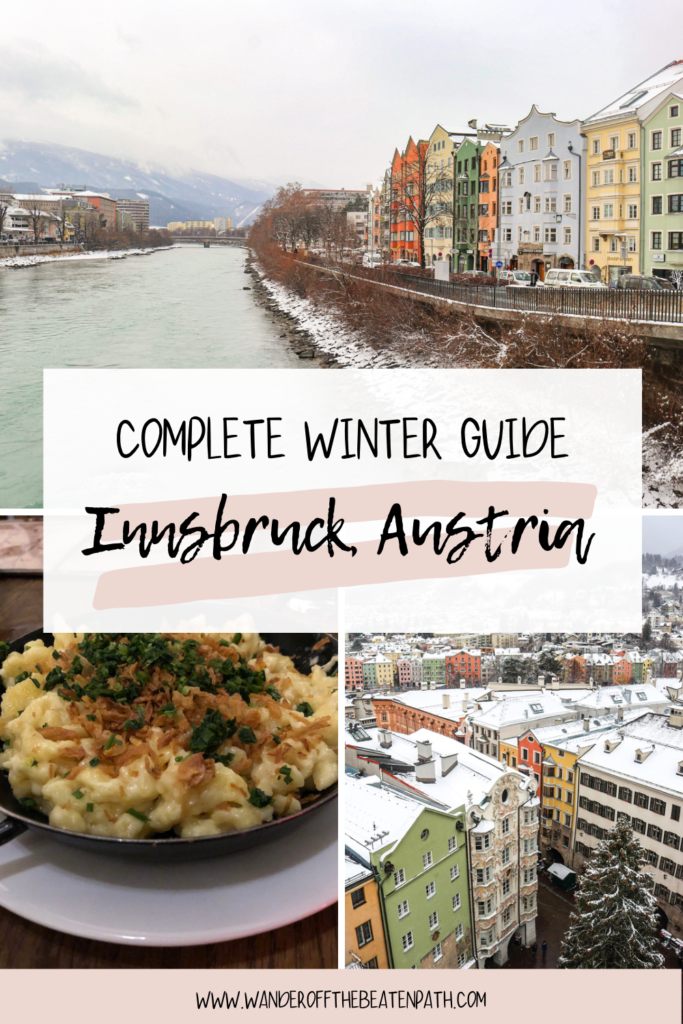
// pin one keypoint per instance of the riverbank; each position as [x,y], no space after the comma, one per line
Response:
[311,331]
[18,262]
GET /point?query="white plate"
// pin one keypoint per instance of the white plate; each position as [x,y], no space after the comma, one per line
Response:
[231,897]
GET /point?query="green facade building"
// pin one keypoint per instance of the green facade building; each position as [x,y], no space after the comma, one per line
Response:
[466,206]
[662,190]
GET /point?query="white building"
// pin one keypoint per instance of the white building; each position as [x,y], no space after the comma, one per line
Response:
[542,206]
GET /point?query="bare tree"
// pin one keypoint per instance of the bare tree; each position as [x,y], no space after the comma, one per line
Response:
[36,216]
[6,201]
[422,194]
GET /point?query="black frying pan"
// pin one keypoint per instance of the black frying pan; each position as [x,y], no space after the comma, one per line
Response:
[168,847]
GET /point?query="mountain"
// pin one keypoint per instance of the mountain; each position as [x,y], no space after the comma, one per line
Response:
[189,196]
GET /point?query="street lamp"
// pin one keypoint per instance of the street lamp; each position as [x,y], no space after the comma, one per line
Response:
[580,213]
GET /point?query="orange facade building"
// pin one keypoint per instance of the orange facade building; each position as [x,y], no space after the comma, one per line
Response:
[407,187]
[363,929]
[488,205]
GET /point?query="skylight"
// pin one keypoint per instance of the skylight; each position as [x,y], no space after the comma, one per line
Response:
[537,708]
[617,700]
[633,99]
[640,695]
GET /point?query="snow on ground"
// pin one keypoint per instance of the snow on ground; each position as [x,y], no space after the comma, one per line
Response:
[667,580]
[15,262]
[662,472]
[327,332]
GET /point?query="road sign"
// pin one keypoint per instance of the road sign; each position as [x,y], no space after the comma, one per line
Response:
[490,252]
[499,263]
[591,262]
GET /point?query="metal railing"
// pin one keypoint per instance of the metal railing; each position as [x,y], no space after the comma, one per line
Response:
[658,306]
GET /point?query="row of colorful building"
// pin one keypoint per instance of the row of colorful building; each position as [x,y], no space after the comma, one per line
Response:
[589,756]
[603,193]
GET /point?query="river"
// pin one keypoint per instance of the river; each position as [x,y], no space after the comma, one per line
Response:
[183,307]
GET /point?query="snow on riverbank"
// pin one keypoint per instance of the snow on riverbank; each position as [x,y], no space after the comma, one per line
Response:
[327,332]
[15,262]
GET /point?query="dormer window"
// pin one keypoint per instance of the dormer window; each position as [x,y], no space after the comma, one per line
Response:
[537,708]
[640,695]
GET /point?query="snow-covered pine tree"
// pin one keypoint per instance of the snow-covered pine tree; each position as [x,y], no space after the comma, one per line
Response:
[614,924]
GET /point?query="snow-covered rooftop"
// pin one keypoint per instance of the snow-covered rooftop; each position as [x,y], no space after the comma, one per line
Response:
[375,818]
[613,697]
[514,710]
[659,767]
[633,100]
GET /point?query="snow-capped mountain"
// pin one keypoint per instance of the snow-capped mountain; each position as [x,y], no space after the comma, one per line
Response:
[188,196]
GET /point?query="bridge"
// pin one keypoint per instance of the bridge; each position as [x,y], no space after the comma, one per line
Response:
[208,240]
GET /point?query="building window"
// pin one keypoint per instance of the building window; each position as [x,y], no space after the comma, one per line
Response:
[364,934]
[551,140]
[430,889]
[596,147]
[673,111]
[656,240]
[614,142]
[632,211]
[568,820]
[631,140]
[676,204]
[357,898]
[596,243]
[656,140]
[631,243]
[567,170]
[455,872]
[633,174]
[537,172]
[567,204]
[537,756]
[550,234]
[456,901]
[434,920]
[403,909]
[537,204]
[520,146]
[638,825]
[550,204]
[505,826]
[407,941]
[675,138]
[595,177]
[656,204]
[551,172]
[608,211]
[438,952]
[537,233]
[507,914]
[459,932]
[505,856]
[427,859]
[506,887]
[595,212]
[675,240]
[656,172]
[675,809]
[533,142]
[676,168]
[399,877]
[608,177]
[452,844]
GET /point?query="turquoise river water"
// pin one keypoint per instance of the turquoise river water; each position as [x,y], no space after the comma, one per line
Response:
[183,307]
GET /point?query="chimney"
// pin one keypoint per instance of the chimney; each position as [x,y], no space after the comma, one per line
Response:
[464,707]
[676,718]
[384,738]
[586,724]
[446,700]
[423,685]
[463,684]
[620,714]
[424,750]
[425,771]
[448,762]
[526,713]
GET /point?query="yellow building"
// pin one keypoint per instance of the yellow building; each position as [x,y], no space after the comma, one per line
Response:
[363,929]
[615,166]
[439,163]
[558,798]
[190,225]
[509,751]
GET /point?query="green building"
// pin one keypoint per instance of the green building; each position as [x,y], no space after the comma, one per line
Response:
[434,669]
[419,858]
[466,206]
[662,178]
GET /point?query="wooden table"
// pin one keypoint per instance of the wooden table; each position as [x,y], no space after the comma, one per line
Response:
[308,943]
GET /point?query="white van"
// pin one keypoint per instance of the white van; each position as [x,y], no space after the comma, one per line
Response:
[372,259]
[572,279]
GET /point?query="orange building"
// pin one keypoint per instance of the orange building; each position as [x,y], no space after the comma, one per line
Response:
[353,676]
[407,186]
[400,717]
[488,204]
[363,930]
[623,669]
[463,665]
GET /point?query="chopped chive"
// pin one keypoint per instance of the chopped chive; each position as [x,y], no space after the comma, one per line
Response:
[110,742]
[94,763]
[90,807]
[35,683]
[247,734]
[28,802]
[276,739]
[258,798]
[20,678]
[305,709]
[79,794]
[137,814]
[31,762]
[236,638]
[56,655]
[91,718]
[181,758]
[275,694]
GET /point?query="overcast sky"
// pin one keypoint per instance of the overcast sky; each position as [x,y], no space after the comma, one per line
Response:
[663,535]
[317,90]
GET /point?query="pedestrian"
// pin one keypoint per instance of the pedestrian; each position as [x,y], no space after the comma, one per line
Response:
[534,948]
[544,947]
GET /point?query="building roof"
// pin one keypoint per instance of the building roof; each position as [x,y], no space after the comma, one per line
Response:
[658,770]
[633,100]
[375,818]
[519,710]
[630,695]
[354,872]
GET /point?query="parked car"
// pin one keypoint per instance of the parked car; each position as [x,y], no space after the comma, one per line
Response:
[516,278]
[406,263]
[572,279]
[372,259]
[639,282]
